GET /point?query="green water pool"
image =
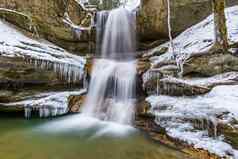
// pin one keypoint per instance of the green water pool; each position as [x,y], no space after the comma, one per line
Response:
[74,137]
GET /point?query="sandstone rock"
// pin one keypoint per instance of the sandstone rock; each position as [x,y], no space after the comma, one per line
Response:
[209,64]
[230,132]
[174,87]
[46,17]
[189,86]
[15,73]
[75,103]
[143,65]
[142,108]
[152,18]
[157,133]
[169,70]
[21,81]
[41,103]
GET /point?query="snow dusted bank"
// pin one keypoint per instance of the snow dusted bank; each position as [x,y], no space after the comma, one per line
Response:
[42,55]
[219,106]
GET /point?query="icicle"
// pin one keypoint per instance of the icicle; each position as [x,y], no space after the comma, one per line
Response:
[157,87]
[67,72]
[171,45]
[214,126]
[40,112]
[27,112]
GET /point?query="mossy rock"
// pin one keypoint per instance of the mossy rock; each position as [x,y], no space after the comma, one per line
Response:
[19,19]
[16,73]
[211,63]
[45,19]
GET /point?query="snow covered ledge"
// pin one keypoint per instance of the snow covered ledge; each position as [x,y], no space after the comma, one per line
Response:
[195,40]
[177,116]
[41,53]
[48,104]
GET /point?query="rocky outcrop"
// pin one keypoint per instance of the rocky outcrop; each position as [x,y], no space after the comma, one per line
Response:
[75,103]
[45,19]
[193,95]
[43,103]
[211,63]
[15,73]
[175,87]
[146,122]
[143,64]
[26,89]
[152,18]
[190,123]
[188,86]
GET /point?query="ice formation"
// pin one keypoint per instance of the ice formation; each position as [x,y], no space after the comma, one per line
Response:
[46,104]
[199,38]
[174,113]
[40,53]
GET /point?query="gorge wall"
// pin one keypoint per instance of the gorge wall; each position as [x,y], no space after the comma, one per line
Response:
[47,17]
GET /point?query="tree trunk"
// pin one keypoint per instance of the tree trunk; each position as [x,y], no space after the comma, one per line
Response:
[221,40]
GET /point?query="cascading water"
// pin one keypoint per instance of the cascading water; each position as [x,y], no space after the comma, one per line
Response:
[111,93]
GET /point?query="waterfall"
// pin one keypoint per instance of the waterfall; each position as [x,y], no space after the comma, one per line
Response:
[111,94]
[119,36]
[101,22]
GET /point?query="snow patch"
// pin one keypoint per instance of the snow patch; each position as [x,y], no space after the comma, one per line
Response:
[173,113]
[40,52]
[200,140]
[47,104]
[199,38]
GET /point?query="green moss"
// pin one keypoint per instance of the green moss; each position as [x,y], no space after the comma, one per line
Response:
[231,136]
[21,20]
[55,31]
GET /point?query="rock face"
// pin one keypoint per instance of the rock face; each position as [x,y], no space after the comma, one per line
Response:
[15,73]
[192,96]
[22,86]
[76,102]
[152,19]
[211,63]
[45,18]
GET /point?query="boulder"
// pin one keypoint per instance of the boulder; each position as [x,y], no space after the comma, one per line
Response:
[75,102]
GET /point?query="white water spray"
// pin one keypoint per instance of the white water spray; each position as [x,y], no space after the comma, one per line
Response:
[111,93]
